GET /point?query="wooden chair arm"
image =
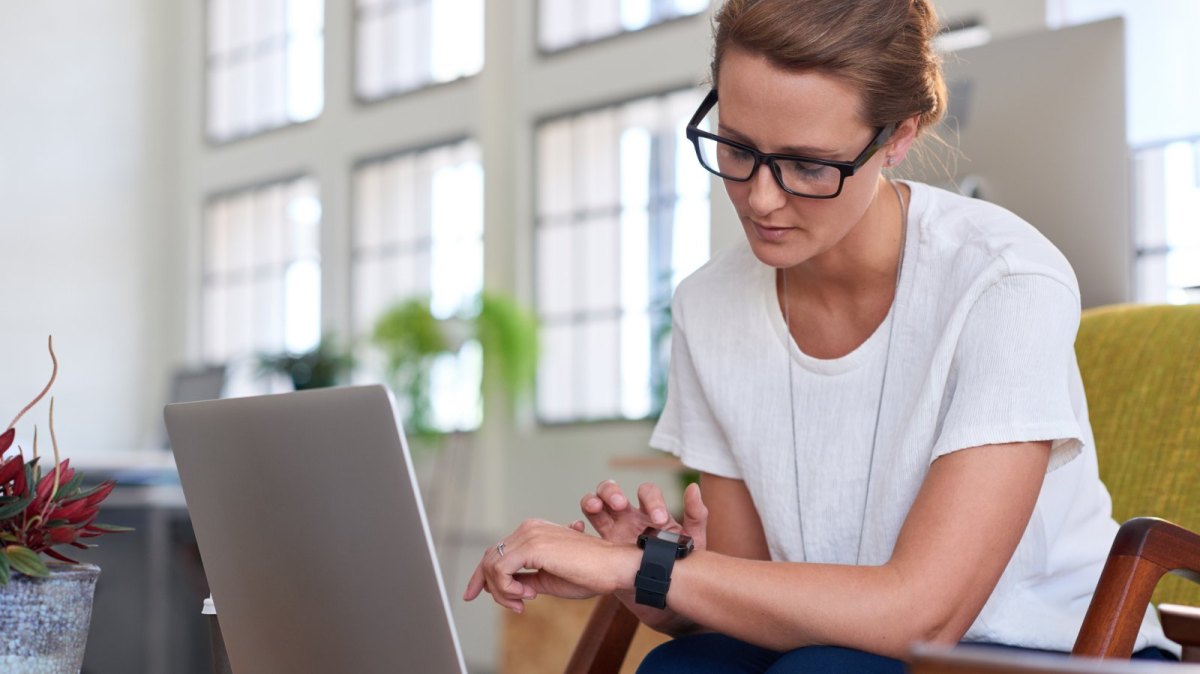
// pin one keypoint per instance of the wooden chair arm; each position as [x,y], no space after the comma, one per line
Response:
[1145,548]
[605,641]
[930,659]
[1182,625]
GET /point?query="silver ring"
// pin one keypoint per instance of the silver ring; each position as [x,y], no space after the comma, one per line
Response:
[500,548]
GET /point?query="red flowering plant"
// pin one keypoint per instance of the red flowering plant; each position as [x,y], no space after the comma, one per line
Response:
[40,511]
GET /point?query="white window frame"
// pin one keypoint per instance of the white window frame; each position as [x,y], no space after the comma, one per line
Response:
[639,305]
[456,378]
[599,20]
[450,49]
[228,281]
[291,58]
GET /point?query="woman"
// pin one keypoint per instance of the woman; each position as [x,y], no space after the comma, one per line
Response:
[880,390]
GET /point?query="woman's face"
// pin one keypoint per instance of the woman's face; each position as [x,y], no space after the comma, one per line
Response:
[801,113]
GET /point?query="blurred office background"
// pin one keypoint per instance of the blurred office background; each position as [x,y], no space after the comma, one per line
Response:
[197,182]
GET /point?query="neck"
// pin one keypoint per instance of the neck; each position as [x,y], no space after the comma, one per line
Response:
[863,265]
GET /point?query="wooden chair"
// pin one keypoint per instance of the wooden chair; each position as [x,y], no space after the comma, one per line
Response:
[927,659]
[1141,371]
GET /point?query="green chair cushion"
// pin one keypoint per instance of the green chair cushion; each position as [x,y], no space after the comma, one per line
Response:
[1141,371]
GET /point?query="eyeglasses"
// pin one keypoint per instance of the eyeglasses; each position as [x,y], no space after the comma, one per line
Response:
[801,176]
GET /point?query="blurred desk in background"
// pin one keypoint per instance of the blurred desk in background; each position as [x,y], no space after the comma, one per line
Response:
[146,617]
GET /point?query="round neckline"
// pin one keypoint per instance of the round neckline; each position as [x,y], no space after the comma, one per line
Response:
[864,351]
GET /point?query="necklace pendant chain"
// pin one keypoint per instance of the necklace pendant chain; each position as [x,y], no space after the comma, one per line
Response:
[887,359]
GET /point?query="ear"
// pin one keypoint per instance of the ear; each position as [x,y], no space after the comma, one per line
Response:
[896,149]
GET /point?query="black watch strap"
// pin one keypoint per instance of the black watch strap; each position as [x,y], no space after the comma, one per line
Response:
[654,577]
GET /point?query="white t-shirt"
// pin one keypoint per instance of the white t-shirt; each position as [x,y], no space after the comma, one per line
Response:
[982,352]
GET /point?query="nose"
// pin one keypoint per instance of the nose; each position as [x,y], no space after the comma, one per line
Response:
[766,196]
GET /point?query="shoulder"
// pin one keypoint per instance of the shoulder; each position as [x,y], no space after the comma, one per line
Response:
[971,244]
[724,286]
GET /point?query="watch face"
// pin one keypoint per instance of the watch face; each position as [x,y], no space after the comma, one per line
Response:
[668,536]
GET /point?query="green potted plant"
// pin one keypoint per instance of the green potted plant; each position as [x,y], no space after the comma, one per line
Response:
[323,365]
[412,338]
[45,609]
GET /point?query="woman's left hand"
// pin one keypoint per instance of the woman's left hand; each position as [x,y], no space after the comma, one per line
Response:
[545,558]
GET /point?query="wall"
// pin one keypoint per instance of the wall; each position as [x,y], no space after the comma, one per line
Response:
[1002,19]
[82,184]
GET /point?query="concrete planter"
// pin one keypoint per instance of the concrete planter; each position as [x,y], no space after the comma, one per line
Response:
[44,621]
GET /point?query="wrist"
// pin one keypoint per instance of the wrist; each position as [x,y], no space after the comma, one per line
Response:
[660,550]
[629,560]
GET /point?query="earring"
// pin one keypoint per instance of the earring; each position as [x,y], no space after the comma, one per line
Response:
[891,160]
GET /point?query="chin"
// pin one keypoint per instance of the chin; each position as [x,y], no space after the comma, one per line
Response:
[778,255]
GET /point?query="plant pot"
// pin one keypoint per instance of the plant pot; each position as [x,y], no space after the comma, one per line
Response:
[44,621]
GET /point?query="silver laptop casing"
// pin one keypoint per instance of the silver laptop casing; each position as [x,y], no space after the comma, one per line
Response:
[313,534]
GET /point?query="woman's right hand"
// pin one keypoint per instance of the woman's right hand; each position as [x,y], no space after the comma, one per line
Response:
[616,519]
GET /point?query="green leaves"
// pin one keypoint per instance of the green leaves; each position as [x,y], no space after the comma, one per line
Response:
[13,509]
[108,528]
[25,561]
[412,338]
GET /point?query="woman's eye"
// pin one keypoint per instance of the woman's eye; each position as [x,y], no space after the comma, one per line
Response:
[736,154]
[804,169]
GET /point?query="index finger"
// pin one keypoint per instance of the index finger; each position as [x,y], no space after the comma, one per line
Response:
[612,496]
[475,584]
[651,501]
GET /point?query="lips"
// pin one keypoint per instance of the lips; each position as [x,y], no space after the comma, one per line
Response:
[767,233]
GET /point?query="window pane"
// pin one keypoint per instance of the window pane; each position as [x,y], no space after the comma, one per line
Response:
[623,215]
[567,23]
[409,44]
[419,234]
[261,277]
[1167,197]
[555,380]
[265,65]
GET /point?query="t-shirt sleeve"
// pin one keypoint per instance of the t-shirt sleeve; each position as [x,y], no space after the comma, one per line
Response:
[687,427]
[1012,370]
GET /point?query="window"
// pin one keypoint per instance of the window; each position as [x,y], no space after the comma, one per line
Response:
[418,232]
[1163,107]
[622,217]
[265,65]
[568,23]
[1167,201]
[408,44]
[261,286]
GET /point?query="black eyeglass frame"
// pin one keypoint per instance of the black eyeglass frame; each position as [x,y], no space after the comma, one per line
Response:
[845,169]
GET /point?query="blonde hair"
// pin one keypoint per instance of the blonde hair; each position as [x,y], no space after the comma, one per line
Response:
[882,47]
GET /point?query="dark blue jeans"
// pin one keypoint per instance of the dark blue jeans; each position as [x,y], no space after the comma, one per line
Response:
[712,653]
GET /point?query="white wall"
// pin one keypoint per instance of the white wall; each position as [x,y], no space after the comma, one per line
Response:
[82,182]
[1002,18]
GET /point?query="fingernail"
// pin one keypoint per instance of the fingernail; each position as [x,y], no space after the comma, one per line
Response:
[619,501]
[659,516]
[594,503]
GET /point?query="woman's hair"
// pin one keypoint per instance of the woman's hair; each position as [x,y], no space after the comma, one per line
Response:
[882,47]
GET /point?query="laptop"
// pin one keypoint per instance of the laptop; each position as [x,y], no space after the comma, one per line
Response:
[312,533]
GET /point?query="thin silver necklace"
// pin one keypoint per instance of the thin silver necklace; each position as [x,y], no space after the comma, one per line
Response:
[887,359]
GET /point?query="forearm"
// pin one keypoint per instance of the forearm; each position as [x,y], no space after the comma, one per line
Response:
[783,606]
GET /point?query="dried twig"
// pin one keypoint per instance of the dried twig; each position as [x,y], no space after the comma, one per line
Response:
[53,375]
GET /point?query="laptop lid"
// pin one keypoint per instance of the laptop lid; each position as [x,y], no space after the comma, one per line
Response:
[312,533]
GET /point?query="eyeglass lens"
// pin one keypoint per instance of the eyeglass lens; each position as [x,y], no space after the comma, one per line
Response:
[735,163]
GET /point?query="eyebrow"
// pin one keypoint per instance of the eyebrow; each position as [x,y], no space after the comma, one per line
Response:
[800,150]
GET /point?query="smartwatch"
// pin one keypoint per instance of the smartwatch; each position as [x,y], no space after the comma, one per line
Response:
[660,549]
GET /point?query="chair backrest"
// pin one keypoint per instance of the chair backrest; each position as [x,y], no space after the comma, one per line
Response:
[1141,371]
